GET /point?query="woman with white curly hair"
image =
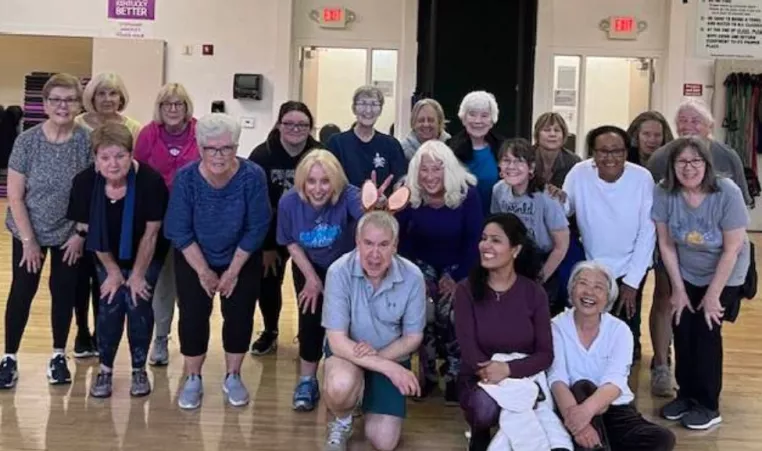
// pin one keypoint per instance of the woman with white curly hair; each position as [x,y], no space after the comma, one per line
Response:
[444,208]
[477,145]
[592,356]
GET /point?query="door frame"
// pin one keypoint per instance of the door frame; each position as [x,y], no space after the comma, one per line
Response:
[658,91]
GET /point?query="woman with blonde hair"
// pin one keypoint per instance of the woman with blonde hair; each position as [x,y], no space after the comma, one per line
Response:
[444,208]
[427,121]
[316,222]
[166,144]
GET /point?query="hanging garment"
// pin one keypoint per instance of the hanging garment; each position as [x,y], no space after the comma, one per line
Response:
[527,419]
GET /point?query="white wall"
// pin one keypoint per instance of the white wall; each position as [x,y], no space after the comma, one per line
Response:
[22,55]
[251,36]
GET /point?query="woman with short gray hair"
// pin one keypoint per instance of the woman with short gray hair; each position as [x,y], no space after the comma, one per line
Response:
[701,223]
[217,219]
[591,366]
[427,122]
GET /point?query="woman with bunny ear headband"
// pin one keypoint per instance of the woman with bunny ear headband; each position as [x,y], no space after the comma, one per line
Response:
[316,224]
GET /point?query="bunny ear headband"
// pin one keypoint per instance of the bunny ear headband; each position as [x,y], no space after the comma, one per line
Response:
[372,201]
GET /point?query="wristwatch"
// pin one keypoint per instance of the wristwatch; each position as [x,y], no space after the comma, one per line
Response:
[82,233]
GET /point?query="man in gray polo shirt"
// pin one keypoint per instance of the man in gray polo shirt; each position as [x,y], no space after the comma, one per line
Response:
[374,313]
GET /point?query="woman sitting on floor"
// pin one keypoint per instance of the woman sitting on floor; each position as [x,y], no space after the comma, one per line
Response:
[593,354]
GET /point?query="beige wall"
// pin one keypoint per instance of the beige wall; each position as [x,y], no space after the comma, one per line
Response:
[24,54]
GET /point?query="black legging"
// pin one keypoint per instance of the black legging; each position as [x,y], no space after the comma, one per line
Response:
[270,295]
[63,284]
[311,331]
[88,291]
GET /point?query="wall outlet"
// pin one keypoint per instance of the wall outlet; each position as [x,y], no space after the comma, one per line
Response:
[247,122]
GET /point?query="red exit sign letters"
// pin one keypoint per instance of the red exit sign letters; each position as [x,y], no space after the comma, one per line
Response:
[622,27]
[332,17]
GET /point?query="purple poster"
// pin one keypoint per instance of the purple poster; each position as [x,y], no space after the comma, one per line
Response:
[131,9]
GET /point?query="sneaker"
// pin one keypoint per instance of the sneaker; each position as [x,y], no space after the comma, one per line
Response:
[84,346]
[141,386]
[661,382]
[451,394]
[159,352]
[58,372]
[266,343]
[338,436]
[193,391]
[235,390]
[677,408]
[700,418]
[101,388]
[306,395]
[9,373]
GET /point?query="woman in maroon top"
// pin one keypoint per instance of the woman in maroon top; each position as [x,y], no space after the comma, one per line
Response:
[500,309]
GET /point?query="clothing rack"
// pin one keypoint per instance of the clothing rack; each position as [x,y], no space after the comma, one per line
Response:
[743,123]
[34,113]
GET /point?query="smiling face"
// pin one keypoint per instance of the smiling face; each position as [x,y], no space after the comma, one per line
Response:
[495,249]
[551,137]
[431,176]
[107,100]
[113,162]
[426,124]
[650,136]
[690,168]
[478,123]
[692,123]
[173,110]
[367,109]
[294,128]
[62,106]
[317,186]
[218,154]
[515,171]
[609,154]
[590,292]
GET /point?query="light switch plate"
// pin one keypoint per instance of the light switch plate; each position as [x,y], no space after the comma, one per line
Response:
[247,122]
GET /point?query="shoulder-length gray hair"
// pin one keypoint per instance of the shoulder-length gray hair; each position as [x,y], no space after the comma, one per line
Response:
[457,179]
[613,289]
[670,183]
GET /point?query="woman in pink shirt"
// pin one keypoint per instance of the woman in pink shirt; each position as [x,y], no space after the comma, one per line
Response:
[167,144]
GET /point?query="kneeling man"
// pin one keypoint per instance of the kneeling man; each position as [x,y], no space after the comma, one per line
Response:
[374,313]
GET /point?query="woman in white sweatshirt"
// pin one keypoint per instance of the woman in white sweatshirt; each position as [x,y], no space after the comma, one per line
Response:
[612,200]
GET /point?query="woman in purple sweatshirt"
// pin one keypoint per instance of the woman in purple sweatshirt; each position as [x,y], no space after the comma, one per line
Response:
[500,309]
[167,144]
[439,231]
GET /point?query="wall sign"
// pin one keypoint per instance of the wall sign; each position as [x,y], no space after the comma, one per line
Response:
[623,27]
[132,18]
[332,17]
[693,89]
[729,29]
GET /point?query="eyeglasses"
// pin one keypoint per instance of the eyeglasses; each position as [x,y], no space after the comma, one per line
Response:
[368,105]
[696,163]
[224,151]
[295,126]
[173,105]
[612,153]
[513,161]
[56,101]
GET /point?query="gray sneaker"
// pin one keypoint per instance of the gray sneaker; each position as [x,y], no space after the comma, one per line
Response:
[661,382]
[193,391]
[235,390]
[159,352]
[141,386]
[338,436]
[101,388]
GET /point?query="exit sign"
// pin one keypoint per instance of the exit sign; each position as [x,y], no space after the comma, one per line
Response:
[623,27]
[332,17]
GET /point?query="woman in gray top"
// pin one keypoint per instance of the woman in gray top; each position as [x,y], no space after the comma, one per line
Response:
[41,169]
[701,221]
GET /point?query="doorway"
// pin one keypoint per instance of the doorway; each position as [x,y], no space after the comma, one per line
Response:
[329,77]
[591,91]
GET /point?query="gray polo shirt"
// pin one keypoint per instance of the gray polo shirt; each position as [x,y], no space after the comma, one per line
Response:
[375,316]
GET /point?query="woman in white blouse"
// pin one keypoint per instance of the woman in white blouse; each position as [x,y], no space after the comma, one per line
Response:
[591,365]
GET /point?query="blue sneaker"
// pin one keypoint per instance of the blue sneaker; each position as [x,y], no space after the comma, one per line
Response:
[306,395]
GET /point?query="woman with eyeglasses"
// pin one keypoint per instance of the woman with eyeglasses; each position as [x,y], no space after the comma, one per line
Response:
[701,220]
[279,155]
[612,199]
[167,144]
[217,219]
[41,169]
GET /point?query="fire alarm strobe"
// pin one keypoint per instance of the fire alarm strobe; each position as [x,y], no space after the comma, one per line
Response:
[207,49]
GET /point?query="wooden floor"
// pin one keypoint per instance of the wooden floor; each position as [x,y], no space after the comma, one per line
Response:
[35,416]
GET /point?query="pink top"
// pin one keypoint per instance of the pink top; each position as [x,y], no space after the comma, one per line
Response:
[152,150]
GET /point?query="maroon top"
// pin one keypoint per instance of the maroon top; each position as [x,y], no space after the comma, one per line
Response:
[518,322]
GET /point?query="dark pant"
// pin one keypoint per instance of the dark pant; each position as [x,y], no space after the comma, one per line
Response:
[634,322]
[482,412]
[311,331]
[88,290]
[698,350]
[195,307]
[623,428]
[552,289]
[62,284]
[270,296]
[110,319]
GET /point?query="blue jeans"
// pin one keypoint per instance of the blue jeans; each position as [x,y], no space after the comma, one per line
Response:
[110,320]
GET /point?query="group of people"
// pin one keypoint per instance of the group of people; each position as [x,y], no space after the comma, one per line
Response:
[514,271]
